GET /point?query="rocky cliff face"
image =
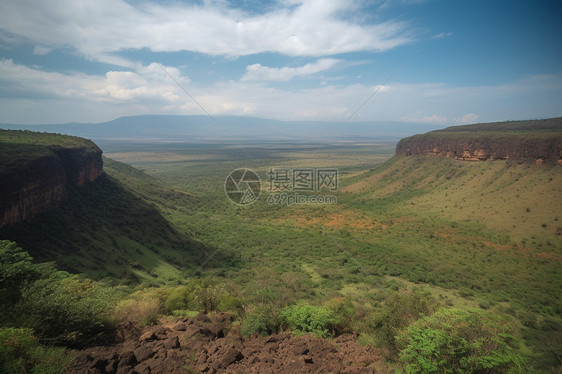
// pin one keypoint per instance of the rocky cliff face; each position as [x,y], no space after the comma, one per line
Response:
[486,143]
[39,181]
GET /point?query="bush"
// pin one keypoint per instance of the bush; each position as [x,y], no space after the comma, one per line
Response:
[261,321]
[180,299]
[21,353]
[345,313]
[64,310]
[232,305]
[455,341]
[60,308]
[198,294]
[16,272]
[142,307]
[319,321]
[400,310]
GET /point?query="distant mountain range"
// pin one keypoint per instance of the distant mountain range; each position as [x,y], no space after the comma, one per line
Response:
[200,128]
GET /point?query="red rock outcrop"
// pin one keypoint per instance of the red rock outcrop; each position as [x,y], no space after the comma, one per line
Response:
[490,142]
[41,183]
[202,345]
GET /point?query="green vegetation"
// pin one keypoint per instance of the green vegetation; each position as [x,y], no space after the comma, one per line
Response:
[457,341]
[400,310]
[21,353]
[413,247]
[110,232]
[551,125]
[57,306]
[304,319]
[19,148]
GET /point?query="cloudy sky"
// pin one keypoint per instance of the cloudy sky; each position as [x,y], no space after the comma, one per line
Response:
[425,61]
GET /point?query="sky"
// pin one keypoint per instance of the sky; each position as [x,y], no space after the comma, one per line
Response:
[442,62]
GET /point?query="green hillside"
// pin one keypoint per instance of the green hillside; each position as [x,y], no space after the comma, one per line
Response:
[106,230]
[517,200]
[407,236]
[549,126]
[19,148]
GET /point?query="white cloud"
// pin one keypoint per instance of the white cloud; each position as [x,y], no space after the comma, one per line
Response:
[467,118]
[147,82]
[98,29]
[40,50]
[440,120]
[434,119]
[442,35]
[258,72]
[57,97]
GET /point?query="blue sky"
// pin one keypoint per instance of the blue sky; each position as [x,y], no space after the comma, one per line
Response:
[443,62]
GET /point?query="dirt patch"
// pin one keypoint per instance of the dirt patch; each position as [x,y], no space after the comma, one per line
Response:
[340,220]
[511,249]
[205,345]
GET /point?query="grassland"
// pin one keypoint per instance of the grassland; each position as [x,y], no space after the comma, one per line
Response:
[482,234]
[474,235]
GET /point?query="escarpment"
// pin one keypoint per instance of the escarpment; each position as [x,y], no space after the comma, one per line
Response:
[37,170]
[537,141]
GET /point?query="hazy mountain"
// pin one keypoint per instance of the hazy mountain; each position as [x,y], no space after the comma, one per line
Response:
[200,128]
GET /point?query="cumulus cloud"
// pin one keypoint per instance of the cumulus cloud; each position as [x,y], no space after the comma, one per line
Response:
[98,29]
[467,118]
[148,89]
[147,82]
[258,72]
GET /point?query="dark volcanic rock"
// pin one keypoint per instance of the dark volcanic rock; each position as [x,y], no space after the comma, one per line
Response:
[177,351]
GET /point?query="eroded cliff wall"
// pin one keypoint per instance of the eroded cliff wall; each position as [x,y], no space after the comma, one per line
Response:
[35,178]
[535,143]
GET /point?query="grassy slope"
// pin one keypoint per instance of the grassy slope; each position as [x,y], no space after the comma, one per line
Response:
[551,125]
[490,230]
[18,148]
[426,221]
[518,200]
[110,229]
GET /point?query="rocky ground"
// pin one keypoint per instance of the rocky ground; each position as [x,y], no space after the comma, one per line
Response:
[202,345]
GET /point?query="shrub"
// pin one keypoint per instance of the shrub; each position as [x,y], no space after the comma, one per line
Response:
[180,299]
[21,353]
[16,272]
[142,307]
[400,310]
[60,308]
[206,295]
[345,313]
[64,310]
[455,341]
[260,322]
[303,319]
[198,294]
[234,305]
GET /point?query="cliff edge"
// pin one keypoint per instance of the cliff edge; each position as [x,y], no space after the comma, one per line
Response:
[539,141]
[37,169]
